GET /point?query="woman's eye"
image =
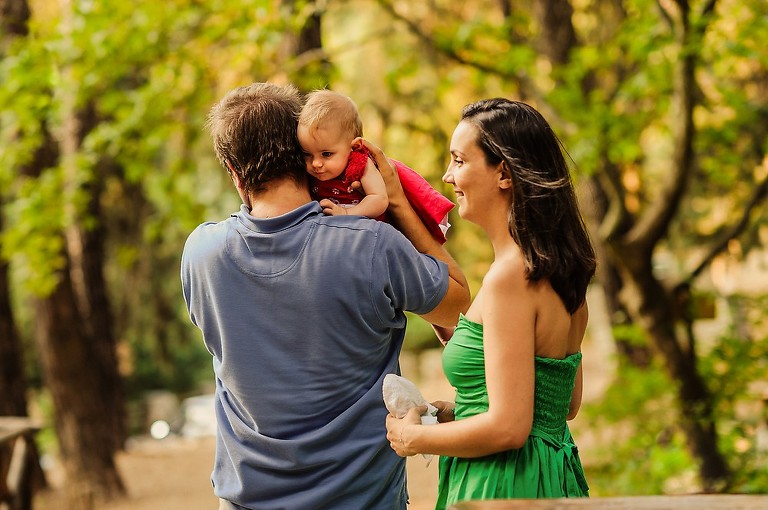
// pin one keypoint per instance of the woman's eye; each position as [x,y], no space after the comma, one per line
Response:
[458,161]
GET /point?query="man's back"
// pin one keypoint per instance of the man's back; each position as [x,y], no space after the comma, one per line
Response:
[303,314]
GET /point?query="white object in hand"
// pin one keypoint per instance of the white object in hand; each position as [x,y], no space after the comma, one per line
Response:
[400,394]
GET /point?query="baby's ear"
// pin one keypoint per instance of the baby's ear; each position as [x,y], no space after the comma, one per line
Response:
[357,143]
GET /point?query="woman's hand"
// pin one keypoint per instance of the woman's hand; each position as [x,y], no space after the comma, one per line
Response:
[397,432]
[444,411]
[388,172]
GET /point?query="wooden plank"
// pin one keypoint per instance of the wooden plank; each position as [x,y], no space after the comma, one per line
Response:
[12,427]
[678,502]
[19,467]
[16,433]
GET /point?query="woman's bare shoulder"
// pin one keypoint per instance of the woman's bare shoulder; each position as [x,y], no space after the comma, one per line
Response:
[507,277]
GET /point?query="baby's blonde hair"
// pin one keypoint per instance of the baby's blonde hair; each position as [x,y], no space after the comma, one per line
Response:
[325,106]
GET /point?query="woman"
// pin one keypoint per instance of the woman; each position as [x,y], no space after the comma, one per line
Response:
[515,357]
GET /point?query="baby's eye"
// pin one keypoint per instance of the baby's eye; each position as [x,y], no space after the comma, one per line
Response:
[307,155]
[327,154]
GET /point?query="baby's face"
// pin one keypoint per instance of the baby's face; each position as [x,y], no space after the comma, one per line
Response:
[326,151]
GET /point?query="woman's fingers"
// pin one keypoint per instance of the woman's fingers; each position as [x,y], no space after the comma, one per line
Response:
[386,169]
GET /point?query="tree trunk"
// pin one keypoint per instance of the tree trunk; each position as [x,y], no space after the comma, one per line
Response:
[14,16]
[558,36]
[13,387]
[77,344]
[653,307]
[306,47]
[87,255]
[595,204]
[70,364]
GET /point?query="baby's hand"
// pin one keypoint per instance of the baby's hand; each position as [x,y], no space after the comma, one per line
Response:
[332,208]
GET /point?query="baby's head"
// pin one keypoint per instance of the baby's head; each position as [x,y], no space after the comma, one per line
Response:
[329,126]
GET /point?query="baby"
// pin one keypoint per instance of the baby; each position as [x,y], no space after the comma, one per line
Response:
[330,131]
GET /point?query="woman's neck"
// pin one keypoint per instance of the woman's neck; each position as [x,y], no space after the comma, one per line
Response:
[499,236]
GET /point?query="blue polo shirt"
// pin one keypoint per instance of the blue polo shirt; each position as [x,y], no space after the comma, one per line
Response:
[304,316]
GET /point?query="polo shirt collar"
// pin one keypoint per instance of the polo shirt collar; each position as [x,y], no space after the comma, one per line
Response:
[277,223]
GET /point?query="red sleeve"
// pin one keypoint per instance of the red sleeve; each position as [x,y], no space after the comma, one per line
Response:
[430,205]
[358,158]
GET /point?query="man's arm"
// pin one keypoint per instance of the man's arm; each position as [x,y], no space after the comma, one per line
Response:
[457,298]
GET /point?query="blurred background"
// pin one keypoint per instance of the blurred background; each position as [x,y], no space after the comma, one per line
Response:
[105,168]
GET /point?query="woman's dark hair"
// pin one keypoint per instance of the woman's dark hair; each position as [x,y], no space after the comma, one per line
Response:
[544,218]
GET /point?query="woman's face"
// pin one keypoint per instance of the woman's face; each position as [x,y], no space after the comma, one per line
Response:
[479,187]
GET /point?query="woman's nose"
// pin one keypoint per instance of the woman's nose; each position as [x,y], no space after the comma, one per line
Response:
[448,176]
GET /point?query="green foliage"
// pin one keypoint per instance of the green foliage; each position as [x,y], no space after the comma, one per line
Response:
[736,368]
[36,241]
[45,439]
[161,370]
[142,76]
[637,448]
[629,333]
[419,335]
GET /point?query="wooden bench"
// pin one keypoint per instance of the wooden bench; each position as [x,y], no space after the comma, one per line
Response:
[16,436]
[681,502]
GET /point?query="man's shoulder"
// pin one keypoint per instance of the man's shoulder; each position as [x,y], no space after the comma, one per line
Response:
[206,235]
[360,225]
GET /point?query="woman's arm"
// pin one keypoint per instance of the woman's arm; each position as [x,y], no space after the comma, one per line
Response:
[456,300]
[573,408]
[578,328]
[508,317]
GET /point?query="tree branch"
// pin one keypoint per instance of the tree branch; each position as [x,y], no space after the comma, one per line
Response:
[653,225]
[616,215]
[526,84]
[757,198]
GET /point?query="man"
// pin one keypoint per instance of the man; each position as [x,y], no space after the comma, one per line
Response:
[304,316]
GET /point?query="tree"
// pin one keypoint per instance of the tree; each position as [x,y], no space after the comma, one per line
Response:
[623,74]
[77,348]
[14,15]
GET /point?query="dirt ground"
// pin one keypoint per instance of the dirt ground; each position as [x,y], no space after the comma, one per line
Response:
[174,475]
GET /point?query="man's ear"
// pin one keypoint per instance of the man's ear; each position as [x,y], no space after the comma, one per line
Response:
[237,181]
[505,177]
[233,175]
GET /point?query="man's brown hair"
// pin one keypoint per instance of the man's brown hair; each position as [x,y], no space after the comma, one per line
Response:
[254,134]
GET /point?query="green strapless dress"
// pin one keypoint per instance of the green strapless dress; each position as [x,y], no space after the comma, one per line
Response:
[547,466]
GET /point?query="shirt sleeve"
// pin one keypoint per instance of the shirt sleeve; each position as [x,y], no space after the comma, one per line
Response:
[408,280]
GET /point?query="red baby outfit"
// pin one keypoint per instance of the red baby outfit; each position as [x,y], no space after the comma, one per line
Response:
[430,205]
